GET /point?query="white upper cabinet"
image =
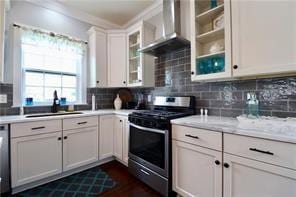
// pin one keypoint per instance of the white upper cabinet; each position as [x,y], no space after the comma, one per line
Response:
[97,57]
[140,69]
[2,27]
[210,40]
[264,39]
[117,59]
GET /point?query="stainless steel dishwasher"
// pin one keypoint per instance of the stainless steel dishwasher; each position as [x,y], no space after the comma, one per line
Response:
[4,160]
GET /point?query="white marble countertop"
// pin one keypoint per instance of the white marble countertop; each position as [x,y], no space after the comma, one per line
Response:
[285,132]
[19,118]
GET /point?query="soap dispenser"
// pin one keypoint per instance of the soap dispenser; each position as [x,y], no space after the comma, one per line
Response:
[252,106]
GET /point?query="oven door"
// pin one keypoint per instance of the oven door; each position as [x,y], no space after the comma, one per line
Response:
[149,147]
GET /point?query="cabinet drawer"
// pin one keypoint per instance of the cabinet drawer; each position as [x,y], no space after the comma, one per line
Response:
[201,137]
[76,123]
[273,152]
[33,128]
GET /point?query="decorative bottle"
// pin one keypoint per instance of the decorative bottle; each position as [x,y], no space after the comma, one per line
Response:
[117,103]
[252,106]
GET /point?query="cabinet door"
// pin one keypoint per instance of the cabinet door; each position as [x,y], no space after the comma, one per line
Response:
[2,26]
[118,136]
[106,136]
[195,172]
[117,60]
[245,178]
[80,147]
[125,140]
[263,37]
[35,157]
[97,58]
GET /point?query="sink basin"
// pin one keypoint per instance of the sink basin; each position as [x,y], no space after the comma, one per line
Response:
[52,114]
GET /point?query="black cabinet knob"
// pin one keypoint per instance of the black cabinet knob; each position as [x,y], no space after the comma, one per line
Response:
[120,120]
[235,66]
[226,165]
[217,162]
[192,73]
[59,138]
[124,82]
[98,81]
[65,137]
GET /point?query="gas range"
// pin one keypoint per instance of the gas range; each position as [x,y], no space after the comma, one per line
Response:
[150,141]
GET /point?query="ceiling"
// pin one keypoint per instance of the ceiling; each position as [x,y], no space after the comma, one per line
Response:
[115,11]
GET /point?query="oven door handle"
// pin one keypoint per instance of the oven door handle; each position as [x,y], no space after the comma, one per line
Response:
[148,129]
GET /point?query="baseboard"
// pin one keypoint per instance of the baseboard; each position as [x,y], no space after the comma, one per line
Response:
[59,176]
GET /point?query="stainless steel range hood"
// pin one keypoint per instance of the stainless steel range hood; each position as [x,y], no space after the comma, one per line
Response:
[172,39]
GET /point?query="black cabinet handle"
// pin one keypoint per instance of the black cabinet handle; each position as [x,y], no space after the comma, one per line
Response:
[82,122]
[226,165]
[261,151]
[235,66]
[59,138]
[36,128]
[192,73]
[192,136]
[65,137]
[217,162]
[140,80]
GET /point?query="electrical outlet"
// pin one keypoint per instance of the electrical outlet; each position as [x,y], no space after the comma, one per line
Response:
[3,98]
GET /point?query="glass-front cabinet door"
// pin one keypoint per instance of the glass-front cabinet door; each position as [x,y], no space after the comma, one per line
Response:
[134,57]
[210,40]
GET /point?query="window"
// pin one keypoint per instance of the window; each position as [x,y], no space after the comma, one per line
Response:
[51,62]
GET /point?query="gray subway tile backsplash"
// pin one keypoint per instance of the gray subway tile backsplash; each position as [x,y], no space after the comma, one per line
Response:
[277,96]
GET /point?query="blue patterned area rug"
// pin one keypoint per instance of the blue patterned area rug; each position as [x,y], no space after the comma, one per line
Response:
[90,182]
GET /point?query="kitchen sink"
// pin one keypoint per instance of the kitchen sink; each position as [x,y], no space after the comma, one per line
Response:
[52,114]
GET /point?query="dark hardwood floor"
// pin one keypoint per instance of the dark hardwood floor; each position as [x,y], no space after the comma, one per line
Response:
[128,185]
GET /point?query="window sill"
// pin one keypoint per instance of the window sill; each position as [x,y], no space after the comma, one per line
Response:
[48,105]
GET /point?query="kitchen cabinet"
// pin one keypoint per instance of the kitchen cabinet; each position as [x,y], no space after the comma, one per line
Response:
[98,65]
[197,171]
[263,35]
[118,137]
[106,136]
[80,147]
[2,29]
[245,177]
[140,71]
[125,140]
[35,157]
[116,58]
[210,44]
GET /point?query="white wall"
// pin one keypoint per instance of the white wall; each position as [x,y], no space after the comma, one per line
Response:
[32,15]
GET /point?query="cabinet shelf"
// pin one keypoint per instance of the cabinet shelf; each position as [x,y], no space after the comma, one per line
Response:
[134,58]
[134,45]
[211,54]
[210,14]
[211,35]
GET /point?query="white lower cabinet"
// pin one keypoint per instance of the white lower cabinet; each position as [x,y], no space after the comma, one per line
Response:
[35,157]
[80,147]
[118,137]
[197,171]
[245,177]
[125,140]
[106,136]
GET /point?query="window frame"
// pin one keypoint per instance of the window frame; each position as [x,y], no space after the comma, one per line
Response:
[19,73]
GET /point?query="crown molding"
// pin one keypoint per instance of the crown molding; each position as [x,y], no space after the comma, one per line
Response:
[74,13]
[147,13]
